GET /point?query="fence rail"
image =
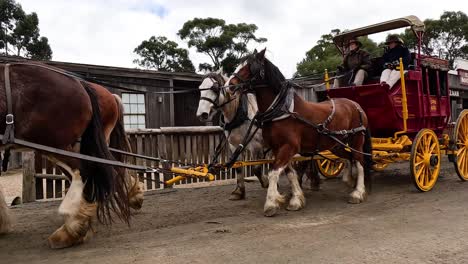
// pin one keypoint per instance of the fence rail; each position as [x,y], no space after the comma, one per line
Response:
[183,145]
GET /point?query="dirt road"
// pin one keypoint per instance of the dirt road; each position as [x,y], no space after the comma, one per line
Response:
[396,225]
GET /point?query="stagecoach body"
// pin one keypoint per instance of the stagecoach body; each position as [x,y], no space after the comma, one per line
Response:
[408,121]
[427,95]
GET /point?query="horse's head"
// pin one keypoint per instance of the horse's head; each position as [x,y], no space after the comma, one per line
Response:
[211,96]
[250,71]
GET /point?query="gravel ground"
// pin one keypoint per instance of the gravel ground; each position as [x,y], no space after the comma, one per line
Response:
[396,225]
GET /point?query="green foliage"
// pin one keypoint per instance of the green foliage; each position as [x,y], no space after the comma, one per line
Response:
[223,43]
[20,32]
[325,55]
[164,55]
[446,37]
[40,49]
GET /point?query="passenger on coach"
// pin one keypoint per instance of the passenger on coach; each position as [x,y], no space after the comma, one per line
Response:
[396,50]
[355,65]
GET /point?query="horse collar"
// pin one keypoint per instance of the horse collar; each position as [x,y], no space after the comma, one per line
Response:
[241,115]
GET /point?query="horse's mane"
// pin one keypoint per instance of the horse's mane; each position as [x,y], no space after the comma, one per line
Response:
[273,76]
[218,76]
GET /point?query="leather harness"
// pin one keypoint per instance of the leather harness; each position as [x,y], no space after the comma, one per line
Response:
[9,135]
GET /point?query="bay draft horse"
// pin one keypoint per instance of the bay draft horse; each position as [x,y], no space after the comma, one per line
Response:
[238,110]
[297,134]
[55,109]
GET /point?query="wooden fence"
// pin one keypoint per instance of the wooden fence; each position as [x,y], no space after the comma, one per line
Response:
[184,145]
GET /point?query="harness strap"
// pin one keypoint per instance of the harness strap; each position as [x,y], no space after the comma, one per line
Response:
[241,115]
[9,135]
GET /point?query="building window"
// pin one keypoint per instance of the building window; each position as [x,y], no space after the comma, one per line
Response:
[135,110]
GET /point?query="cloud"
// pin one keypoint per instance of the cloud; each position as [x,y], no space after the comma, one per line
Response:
[106,32]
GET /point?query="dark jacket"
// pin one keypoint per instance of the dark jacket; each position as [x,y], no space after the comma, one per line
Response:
[357,59]
[394,55]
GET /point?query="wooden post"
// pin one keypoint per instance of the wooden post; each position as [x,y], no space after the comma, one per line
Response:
[29,180]
[171,104]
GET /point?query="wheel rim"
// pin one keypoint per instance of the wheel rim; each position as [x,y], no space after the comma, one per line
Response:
[461,139]
[425,160]
[330,168]
[379,166]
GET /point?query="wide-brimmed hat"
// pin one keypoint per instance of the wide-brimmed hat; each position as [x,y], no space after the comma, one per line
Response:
[356,41]
[393,38]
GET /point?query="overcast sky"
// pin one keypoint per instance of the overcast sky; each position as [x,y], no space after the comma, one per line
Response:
[105,32]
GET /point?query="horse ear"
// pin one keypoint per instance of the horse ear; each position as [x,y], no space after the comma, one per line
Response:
[255,52]
[261,54]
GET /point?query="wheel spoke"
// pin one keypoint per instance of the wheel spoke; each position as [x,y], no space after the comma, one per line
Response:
[430,174]
[419,163]
[433,146]
[426,176]
[327,167]
[322,163]
[426,143]
[461,163]
[419,173]
[461,151]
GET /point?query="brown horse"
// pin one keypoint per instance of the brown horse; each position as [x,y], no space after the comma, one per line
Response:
[52,108]
[291,125]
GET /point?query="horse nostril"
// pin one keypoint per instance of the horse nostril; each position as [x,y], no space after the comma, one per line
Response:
[204,116]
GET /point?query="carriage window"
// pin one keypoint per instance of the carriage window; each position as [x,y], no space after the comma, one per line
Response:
[443,83]
[134,110]
[432,82]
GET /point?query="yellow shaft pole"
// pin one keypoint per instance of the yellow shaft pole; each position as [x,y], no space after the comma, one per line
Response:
[174,180]
[327,80]
[404,101]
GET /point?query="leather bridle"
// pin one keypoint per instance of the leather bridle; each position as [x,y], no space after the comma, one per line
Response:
[217,88]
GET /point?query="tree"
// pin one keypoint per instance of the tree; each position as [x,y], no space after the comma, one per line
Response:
[325,55]
[164,55]
[10,13]
[20,32]
[225,44]
[39,49]
[446,37]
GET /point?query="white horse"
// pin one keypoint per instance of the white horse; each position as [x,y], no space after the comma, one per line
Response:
[238,112]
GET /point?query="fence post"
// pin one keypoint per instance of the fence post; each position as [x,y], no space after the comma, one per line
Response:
[29,180]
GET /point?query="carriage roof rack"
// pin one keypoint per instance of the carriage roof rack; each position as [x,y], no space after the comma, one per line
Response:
[409,21]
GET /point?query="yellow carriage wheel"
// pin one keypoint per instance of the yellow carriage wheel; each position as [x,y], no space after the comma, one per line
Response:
[460,137]
[425,160]
[330,168]
[379,166]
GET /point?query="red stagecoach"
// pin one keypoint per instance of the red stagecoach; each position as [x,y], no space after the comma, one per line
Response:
[408,121]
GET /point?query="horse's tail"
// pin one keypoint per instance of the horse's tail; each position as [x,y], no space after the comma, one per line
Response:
[367,148]
[118,137]
[103,185]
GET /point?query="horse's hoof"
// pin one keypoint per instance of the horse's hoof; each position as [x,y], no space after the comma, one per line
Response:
[357,197]
[354,200]
[237,196]
[62,239]
[270,210]
[296,203]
